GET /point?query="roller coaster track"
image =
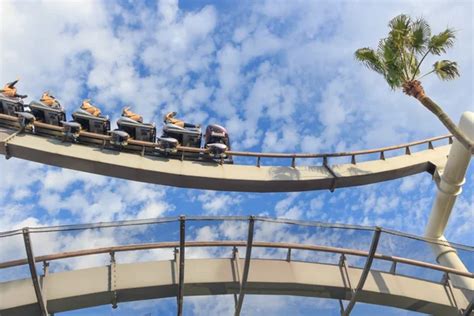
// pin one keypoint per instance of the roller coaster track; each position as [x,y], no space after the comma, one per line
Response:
[121,282]
[94,154]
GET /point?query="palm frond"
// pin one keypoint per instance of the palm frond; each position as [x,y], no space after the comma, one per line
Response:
[420,33]
[446,69]
[414,70]
[399,56]
[399,26]
[394,66]
[370,59]
[439,43]
[394,75]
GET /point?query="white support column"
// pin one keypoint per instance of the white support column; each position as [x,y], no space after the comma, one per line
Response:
[449,187]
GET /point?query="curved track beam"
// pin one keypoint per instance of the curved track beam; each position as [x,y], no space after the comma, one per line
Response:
[138,281]
[213,176]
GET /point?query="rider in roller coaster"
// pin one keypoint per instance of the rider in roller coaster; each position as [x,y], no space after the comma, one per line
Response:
[131,115]
[9,90]
[91,109]
[170,118]
[50,100]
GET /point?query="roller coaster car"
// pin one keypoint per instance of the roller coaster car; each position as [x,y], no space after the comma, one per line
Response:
[128,128]
[91,123]
[174,135]
[218,142]
[47,114]
[11,105]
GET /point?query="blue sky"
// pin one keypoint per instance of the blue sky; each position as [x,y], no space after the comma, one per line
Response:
[280,75]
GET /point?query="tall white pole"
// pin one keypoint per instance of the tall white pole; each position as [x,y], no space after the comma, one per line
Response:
[449,187]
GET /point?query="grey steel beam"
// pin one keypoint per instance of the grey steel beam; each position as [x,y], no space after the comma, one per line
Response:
[113,279]
[333,174]
[34,273]
[182,236]
[245,274]
[469,309]
[365,272]
[235,257]
[344,272]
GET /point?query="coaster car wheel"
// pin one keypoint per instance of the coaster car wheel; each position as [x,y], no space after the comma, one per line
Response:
[119,138]
[26,119]
[71,130]
[217,150]
[167,145]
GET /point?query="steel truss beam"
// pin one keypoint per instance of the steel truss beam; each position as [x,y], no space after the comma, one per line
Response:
[469,309]
[365,272]
[182,226]
[245,274]
[34,273]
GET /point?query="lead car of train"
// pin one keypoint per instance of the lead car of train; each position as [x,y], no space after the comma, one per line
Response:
[129,135]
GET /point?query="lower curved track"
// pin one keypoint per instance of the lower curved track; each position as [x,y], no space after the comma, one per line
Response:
[227,177]
[225,271]
[138,281]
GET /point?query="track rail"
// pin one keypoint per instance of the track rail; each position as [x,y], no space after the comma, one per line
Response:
[353,154]
[119,282]
[236,243]
[140,161]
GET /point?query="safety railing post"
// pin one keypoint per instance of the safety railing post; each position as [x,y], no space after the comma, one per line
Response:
[469,309]
[288,255]
[245,273]
[235,258]
[113,279]
[393,267]
[34,274]
[182,223]
[365,272]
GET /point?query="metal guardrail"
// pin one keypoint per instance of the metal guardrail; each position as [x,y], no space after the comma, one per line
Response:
[160,220]
[258,155]
[233,243]
[182,244]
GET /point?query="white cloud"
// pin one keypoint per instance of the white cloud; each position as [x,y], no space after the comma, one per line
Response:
[280,75]
[218,203]
[290,207]
[234,230]
[51,202]
[153,209]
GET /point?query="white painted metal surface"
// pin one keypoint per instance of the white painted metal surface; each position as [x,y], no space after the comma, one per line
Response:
[450,181]
[90,287]
[213,176]
[193,174]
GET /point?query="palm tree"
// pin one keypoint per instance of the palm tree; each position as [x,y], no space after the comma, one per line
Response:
[399,56]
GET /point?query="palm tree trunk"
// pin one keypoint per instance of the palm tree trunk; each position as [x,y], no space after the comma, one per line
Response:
[444,118]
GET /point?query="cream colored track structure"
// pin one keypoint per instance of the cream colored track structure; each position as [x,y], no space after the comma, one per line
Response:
[237,274]
[296,176]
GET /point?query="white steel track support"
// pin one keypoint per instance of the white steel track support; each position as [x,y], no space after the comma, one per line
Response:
[449,187]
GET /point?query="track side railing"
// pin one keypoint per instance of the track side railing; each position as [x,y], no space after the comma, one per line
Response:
[104,139]
[370,255]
